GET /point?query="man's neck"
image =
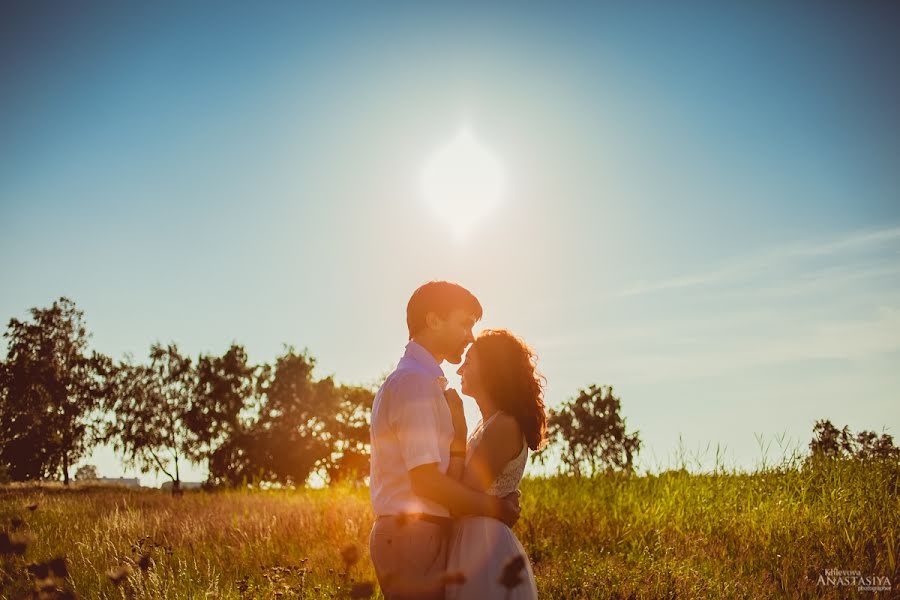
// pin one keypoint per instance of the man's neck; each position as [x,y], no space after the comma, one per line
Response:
[429,346]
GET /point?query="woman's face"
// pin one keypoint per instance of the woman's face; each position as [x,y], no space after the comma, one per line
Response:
[470,376]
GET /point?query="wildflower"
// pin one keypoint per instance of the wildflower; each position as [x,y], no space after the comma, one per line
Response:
[13,544]
[243,585]
[58,567]
[512,572]
[350,555]
[364,589]
[38,570]
[45,586]
[119,574]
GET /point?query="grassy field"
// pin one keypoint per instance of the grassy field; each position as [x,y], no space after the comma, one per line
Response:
[769,534]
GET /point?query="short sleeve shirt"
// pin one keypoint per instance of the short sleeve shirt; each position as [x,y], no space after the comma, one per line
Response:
[411,426]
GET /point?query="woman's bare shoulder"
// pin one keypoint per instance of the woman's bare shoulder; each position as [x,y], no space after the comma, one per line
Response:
[505,434]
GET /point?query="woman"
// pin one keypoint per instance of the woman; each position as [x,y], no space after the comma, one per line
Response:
[500,374]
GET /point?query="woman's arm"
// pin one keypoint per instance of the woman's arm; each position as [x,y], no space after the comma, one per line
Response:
[500,442]
[488,459]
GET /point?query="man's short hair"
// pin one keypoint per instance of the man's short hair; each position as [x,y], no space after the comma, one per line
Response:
[441,298]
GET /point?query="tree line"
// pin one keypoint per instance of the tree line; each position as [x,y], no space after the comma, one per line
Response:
[249,423]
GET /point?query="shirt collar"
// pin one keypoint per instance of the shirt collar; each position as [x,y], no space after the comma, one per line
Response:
[423,357]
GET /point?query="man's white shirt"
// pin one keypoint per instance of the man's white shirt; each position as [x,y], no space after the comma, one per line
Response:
[411,426]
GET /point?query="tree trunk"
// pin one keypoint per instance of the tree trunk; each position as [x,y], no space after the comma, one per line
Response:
[176,485]
[65,468]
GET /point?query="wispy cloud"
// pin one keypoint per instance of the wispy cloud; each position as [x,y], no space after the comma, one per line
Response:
[779,256]
[707,356]
[780,305]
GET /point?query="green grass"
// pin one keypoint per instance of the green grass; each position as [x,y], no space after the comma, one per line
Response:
[769,534]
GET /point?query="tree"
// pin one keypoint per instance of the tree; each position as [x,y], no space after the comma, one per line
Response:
[590,434]
[4,399]
[150,407]
[224,387]
[302,425]
[286,441]
[51,388]
[830,442]
[86,473]
[347,431]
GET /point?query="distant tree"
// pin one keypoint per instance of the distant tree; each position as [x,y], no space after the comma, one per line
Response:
[290,436]
[590,434]
[235,460]
[4,400]
[347,431]
[4,395]
[869,446]
[302,425]
[150,406]
[50,387]
[86,473]
[830,442]
[224,390]
[281,442]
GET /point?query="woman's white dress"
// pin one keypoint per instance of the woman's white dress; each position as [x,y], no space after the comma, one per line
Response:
[481,546]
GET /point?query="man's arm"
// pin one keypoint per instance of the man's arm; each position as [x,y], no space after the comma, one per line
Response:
[414,419]
[428,482]
[457,464]
[457,467]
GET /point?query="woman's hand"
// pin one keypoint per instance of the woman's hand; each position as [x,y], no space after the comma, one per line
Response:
[454,402]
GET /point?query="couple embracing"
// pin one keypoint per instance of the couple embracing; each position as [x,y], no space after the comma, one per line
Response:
[445,499]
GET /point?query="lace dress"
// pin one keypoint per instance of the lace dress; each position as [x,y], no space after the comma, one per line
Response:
[481,546]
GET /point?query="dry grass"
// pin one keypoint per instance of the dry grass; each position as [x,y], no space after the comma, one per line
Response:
[768,534]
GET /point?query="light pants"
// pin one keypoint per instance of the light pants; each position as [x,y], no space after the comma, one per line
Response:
[410,557]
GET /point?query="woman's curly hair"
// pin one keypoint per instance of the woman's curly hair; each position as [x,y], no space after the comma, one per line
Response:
[508,368]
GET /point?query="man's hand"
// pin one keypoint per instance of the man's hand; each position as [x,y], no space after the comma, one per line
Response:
[454,403]
[509,508]
[514,497]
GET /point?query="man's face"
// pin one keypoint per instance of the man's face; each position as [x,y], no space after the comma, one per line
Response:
[455,335]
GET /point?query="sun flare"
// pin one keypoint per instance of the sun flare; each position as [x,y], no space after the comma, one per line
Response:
[463,181]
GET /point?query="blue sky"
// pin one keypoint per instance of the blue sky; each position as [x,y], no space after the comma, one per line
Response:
[703,202]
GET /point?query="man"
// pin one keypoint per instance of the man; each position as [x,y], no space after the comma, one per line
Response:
[411,434]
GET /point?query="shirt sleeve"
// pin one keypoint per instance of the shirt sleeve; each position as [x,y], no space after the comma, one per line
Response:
[413,417]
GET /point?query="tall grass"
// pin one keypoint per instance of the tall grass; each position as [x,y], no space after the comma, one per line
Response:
[768,534]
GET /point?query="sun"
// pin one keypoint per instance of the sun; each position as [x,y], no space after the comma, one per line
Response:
[463,181]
